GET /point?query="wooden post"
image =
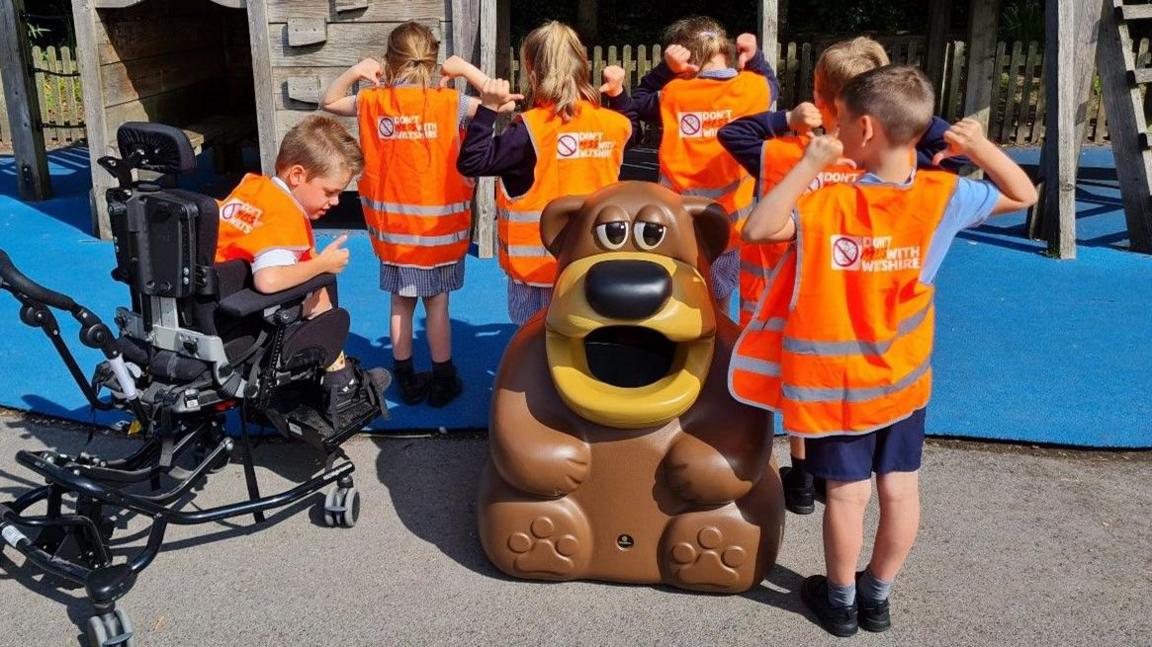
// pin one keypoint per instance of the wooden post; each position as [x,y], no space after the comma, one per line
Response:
[1127,126]
[260,45]
[769,34]
[939,20]
[22,100]
[84,20]
[475,37]
[984,20]
[503,38]
[1067,101]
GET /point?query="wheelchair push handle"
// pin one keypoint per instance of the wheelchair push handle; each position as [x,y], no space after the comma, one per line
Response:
[14,280]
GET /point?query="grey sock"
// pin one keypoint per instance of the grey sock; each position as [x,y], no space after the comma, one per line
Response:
[872,588]
[841,596]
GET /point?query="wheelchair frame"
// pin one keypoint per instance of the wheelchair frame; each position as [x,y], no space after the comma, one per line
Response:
[174,422]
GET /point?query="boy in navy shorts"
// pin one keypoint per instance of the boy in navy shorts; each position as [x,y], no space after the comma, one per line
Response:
[854,363]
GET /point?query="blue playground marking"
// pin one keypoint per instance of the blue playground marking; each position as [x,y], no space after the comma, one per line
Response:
[1027,348]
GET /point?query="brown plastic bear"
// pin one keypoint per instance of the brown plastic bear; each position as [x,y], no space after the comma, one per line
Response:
[617,452]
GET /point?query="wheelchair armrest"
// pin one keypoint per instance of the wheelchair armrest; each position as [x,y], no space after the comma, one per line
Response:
[248,301]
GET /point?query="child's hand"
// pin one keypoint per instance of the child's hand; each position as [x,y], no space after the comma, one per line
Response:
[334,258]
[677,57]
[369,70]
[804,118]
[497,93]
[613,81]
[745,49]
[453,66]
[826,150]
[963,138]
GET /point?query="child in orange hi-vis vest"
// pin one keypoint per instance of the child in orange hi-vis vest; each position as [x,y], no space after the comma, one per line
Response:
[856,345]
[564,144]
[705,82]
[417,207]
[267,222]
[761,145]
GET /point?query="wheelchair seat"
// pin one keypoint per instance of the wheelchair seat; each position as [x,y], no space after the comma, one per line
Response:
[196,341]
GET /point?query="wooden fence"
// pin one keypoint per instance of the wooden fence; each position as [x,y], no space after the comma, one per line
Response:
[60,97]
[1017,114]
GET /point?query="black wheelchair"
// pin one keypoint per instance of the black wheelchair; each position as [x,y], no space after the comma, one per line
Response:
[197,342]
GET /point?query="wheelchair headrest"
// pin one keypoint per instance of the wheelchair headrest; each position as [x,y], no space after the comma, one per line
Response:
[162,148]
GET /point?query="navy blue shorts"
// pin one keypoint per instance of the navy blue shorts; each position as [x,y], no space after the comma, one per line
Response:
[895,448]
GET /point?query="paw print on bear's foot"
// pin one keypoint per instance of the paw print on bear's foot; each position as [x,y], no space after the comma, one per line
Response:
[706,562]
[544,550]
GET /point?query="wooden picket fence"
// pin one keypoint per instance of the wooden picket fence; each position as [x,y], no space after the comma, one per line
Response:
[60,97]
[1017,114]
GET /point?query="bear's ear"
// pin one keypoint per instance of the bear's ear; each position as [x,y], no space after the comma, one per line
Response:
[711,224]
[555,219]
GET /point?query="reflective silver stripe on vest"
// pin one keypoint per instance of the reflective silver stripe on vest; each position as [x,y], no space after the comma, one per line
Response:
[524,250]
[758,366]
[416,209]
[740,214]
[773,323]
[418,240]
[755,269]
[817,394]
[856,346]
[519,216]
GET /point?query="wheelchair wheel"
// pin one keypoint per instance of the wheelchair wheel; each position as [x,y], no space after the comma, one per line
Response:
[342,507]
[111,630]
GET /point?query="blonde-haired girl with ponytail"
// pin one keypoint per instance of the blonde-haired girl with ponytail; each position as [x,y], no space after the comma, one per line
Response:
[565,143]
[417,206]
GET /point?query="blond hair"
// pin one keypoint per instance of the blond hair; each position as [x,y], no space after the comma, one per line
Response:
[898,97]
[411,55]
[844,61]
[704,37]
[557,71]
[322,147]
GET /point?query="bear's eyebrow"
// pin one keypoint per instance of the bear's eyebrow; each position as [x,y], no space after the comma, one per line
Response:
[613,213]
[655,213]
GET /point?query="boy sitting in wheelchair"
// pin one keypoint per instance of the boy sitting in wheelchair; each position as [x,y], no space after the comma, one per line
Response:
[267,222]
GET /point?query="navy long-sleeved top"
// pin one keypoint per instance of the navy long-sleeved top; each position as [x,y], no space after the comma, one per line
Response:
[510,155]
[744,138]
[646,96]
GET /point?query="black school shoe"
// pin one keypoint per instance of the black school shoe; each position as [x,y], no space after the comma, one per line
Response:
[444,389]
[838,621]
[413,385]
[873,616]
[799,497]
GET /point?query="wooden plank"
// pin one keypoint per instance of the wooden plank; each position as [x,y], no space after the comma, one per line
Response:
[178,107]
[84,21]
[485,212]
[768,19]
[804,89]
[1015,63]
[1101,130]
[128,40]
[32,177]
[1126,123]
[350,41]
[136,80]
[260,48]
[791,66]
[1031,64]
[960,62]
[39,62]
[375,11]
[1041,105]
[934,55]
[5,129]
[984,18]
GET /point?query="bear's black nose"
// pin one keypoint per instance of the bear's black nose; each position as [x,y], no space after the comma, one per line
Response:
[627,289]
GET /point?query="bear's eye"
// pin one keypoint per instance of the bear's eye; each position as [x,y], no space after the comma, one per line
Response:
[649,235]
[612,235]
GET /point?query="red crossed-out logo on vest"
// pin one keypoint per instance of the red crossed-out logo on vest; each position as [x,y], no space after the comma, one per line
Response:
[846,252]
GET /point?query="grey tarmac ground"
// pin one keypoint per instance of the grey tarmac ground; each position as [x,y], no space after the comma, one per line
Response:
[1019,546]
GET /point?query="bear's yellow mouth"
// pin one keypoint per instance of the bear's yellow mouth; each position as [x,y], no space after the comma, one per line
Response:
[630,374]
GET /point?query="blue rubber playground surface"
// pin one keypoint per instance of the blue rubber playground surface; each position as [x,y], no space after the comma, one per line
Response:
[1028,348]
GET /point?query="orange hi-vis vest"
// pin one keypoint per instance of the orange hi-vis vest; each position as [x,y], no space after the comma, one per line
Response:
[416,205]
[855,347]
[574,158]
[259,215]
[757,260]
[692,160]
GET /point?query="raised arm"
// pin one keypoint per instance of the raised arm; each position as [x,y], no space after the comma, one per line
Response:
[1016,189]
[771,219]
[336,98]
